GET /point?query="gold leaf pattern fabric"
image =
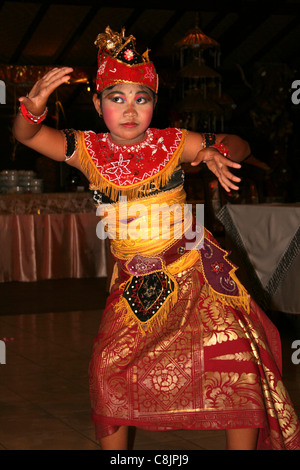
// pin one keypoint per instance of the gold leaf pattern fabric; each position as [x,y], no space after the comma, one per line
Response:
[207,367]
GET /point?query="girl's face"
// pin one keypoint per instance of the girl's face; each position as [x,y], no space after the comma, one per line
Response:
[127,110]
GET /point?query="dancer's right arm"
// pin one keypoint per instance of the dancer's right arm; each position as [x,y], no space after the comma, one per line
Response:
[43,139]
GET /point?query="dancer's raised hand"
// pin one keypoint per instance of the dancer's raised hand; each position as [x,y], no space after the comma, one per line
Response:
[37,98]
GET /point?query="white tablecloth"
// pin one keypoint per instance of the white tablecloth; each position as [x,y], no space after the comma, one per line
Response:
[265,239]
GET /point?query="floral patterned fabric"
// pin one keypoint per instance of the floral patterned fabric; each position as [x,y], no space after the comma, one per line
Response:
[207,367]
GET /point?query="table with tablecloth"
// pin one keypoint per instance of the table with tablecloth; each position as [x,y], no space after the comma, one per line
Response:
[265,244]
[49,236]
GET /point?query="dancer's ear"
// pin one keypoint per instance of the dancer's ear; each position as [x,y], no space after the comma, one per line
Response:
[97,104]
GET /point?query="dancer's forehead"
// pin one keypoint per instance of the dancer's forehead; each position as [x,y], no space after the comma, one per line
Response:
[127,88]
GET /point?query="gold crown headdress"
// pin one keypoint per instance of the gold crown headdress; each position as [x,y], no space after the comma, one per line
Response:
[118,61]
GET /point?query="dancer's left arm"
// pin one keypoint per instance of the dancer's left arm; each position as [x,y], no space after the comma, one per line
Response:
[238,149]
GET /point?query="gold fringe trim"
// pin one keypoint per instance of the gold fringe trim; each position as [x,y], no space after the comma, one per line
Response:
[131,191]
[115,274]
[156,321]
[242,300]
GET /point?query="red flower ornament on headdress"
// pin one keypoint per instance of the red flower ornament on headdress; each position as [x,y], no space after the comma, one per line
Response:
[118,62]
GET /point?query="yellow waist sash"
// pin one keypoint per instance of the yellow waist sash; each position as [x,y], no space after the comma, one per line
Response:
[150,226]
[147,240]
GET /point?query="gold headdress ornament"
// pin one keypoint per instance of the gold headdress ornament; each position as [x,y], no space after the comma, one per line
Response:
[109,40]
[118,61]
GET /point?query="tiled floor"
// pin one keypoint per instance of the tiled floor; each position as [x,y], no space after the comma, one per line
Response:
[44,401]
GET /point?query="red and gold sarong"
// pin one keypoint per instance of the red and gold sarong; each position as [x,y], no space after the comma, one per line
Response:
[208,359]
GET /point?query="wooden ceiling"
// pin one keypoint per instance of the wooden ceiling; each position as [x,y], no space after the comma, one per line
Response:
[250,32]
[63,32]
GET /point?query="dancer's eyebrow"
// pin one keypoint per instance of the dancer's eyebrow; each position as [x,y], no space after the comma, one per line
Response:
[115,91]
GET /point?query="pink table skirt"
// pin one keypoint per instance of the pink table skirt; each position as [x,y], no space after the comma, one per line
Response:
[50,246]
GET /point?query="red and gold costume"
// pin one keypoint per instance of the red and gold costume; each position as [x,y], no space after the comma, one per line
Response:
[180,345]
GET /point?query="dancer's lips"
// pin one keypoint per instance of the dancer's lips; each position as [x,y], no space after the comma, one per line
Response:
[129,124]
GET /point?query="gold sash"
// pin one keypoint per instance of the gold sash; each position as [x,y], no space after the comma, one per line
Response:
[145,230]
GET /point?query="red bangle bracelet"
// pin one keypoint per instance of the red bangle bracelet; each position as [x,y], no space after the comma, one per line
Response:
[31,117]
[222,149]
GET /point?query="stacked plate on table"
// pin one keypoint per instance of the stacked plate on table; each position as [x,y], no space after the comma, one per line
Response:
[20,181]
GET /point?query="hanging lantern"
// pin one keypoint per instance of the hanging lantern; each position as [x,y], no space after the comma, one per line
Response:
[196,38]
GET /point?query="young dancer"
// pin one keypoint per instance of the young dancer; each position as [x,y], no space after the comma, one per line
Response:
[181,345]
